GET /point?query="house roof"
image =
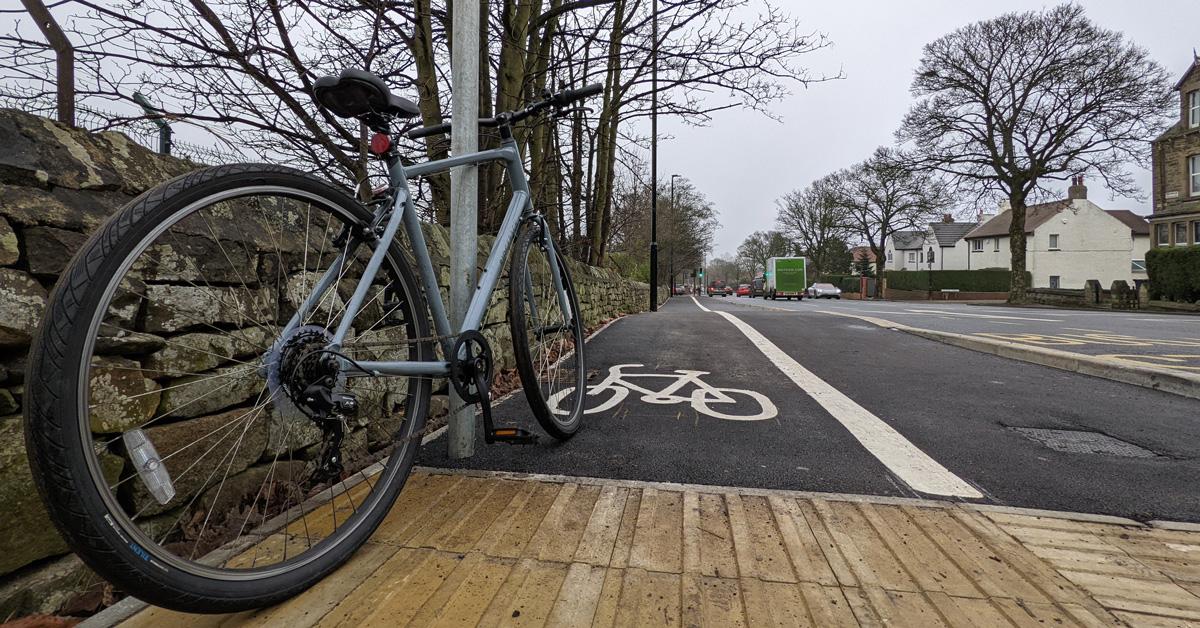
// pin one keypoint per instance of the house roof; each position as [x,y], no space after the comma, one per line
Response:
[949,233]
[1035,216]
[860,252]
[1188,72]
[908,239]
[1136,223]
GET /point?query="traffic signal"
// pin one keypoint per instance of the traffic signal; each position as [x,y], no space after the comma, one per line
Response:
[701,273]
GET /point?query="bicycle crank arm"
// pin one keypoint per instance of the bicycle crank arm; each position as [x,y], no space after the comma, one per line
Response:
[491,434]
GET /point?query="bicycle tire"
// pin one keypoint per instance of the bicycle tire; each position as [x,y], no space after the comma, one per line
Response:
[531,241]
[60,445]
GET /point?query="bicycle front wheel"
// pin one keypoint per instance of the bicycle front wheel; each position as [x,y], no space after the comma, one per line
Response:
[170,407]
[547,341]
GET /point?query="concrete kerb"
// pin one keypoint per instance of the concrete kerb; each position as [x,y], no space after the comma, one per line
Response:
[1164,380]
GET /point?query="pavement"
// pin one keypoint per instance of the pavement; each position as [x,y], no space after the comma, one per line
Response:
[471,548]
[870,411]
[752,466]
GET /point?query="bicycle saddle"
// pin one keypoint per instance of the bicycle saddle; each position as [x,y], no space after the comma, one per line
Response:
[355,93]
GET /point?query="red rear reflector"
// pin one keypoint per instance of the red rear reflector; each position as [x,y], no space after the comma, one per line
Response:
[380,143]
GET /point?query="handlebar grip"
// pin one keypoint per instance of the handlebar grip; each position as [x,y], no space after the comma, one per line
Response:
[426,131]
[568,96]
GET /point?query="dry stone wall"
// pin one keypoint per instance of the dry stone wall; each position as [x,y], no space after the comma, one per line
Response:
[57,184]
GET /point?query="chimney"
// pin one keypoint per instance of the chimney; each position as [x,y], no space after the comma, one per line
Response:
[1077,191]
[947,218]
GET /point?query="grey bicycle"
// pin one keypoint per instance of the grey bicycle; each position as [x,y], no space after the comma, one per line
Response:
[233,375]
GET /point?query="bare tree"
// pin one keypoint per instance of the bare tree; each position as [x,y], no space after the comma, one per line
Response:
[886,194]
[244,71]
[1008,104]
[815,223]
[760,246]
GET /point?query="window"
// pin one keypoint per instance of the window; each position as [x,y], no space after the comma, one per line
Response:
[996,245]
[1194,174]
[1055,281]
[1194,108]
[921,256]
[1163,236]
[1180,234]
[1053,241]
[1196,232]
[1139,266]
[976,245]
[912,257]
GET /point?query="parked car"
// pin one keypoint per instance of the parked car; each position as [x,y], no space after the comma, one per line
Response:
[756,289]
[823,291]
[679,289]
[744,290]
[717,288]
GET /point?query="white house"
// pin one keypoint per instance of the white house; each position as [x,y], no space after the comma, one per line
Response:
[1068,242]
[905,251]
[939,247]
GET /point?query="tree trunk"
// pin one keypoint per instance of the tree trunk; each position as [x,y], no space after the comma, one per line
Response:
[606,136]
[1016,246]
[430,102]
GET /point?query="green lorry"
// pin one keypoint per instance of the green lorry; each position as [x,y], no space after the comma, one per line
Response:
[786,277]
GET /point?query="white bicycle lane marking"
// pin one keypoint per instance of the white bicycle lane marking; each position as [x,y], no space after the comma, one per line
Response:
[702,398]
[913,466]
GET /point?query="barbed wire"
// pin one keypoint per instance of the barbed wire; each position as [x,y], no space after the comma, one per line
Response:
[92,118]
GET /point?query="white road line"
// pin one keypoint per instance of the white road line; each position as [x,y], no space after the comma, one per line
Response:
[700,306]
[913,466]
[966,315]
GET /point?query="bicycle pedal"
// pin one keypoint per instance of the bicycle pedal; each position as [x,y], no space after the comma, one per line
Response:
[512,436]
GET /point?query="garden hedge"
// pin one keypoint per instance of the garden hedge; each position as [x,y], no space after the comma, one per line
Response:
[1174,273]
[962,280]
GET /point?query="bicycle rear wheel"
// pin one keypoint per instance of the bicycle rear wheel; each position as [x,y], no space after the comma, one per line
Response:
[166,416]
[547,342]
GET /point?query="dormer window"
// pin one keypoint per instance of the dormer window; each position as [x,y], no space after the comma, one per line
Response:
[1194,108]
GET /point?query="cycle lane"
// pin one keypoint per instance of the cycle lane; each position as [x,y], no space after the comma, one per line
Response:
[802,447]
[972,412]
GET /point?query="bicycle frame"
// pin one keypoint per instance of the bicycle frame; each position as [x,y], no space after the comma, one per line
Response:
[401,212]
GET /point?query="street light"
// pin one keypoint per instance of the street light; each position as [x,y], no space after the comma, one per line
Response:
[654,159]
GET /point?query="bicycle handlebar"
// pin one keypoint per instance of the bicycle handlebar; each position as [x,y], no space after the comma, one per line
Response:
[557,100]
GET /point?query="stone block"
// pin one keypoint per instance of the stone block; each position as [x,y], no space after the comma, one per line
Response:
[122,396]
[10,250]
[49,249]
[22,300]
[26,533]
[189,354]
[171,308]
[210,391]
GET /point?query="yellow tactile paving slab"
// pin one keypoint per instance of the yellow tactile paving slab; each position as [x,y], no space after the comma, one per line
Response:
[492,549]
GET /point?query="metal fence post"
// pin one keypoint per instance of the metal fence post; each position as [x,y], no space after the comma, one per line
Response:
[464,199]
[164,129]
[64,55]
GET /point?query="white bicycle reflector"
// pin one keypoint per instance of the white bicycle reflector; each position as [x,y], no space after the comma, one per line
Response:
[150,468]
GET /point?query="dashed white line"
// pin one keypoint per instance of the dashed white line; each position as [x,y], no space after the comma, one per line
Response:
[913,466]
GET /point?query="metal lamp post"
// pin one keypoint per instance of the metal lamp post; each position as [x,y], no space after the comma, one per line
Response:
[654,159]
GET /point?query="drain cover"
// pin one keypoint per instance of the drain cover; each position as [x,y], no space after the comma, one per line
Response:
[1082,442]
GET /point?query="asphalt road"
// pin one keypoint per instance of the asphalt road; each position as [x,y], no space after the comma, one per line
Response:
[844,406]
[1092,332]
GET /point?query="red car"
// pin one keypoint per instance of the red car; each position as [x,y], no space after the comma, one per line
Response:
[744,290]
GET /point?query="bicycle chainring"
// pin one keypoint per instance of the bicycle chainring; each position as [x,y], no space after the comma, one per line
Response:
[471,355]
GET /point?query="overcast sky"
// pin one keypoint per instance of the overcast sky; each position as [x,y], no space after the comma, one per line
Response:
[743,161]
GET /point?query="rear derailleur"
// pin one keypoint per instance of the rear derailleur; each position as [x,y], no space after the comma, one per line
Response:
[471,375]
